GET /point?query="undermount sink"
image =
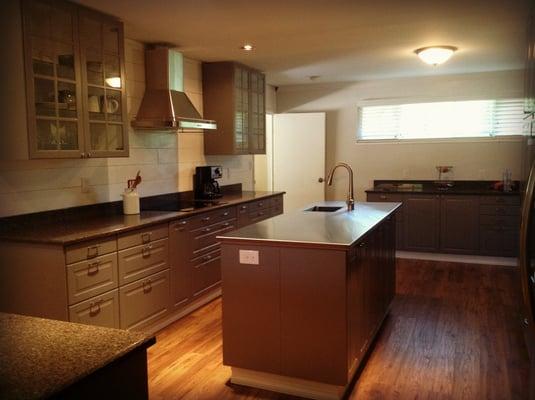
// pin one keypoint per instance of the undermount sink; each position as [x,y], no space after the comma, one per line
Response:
[323,208]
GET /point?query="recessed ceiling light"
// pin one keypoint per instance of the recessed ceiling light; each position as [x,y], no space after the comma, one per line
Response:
[247,47]
[435,55]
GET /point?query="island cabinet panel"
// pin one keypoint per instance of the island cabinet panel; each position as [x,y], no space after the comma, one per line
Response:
[399,216]
[313,316]
[422,222]
[356,311]
[251,309]
[459,224]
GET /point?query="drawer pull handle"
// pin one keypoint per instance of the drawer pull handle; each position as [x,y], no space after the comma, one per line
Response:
[145,237]
[92,268]
[205,219]
[225,214]
[147,286]
[382,197]
[260,204]
[243,207]
[226,225]
[182,223]
[362,244]
[145,251]
[92,252]
[94,308]
[207,258]
[532,278]
[206,230]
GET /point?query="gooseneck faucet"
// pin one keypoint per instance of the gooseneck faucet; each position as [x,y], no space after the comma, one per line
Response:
[350,195]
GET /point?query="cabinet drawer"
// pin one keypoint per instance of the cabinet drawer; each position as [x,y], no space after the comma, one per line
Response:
[251,206]
[89,250]
[206,272]
[499,210]
[143,236]
[141,261]
[276,201]
[144,301]
[212,217]
[500,221]
[102,310]
[91,277]
[205,237]
[500,200]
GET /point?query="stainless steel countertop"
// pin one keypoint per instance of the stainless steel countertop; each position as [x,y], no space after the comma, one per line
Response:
[330,229]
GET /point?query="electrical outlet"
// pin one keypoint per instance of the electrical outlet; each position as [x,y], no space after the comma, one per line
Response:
[249,257]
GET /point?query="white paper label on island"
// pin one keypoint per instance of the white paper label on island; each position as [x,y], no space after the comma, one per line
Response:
[249,257]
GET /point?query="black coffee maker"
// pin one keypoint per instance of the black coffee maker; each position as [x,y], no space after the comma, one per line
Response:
[205,185]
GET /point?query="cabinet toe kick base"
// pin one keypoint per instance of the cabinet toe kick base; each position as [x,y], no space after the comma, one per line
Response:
[286,385]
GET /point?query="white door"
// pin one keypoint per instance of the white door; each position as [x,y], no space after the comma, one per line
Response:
[299,158]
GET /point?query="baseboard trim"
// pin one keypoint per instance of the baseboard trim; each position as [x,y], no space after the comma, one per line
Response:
[287,385]
[154,328]
[461,258]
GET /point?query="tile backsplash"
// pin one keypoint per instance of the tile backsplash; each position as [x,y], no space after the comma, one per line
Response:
[167,160]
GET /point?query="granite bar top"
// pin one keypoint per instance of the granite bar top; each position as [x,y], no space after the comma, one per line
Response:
[339,229]
[40,357]
[442,187]
[77,229]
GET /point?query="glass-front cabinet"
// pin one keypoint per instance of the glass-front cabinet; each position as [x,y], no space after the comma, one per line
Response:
[76,100]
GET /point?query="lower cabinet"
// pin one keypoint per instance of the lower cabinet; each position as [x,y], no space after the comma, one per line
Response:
[422,219]
[144,301]
[457,224]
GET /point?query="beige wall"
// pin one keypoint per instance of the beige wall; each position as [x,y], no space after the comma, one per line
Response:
[472,159]
[166,160]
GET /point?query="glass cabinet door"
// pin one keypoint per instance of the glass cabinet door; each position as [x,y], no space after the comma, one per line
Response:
[241,99]
[53,86]
[102,57]
[257,141]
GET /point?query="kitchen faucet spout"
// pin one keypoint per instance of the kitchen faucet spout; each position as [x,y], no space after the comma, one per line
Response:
[350,192]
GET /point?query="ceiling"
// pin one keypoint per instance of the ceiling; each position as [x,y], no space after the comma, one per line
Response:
[335,40]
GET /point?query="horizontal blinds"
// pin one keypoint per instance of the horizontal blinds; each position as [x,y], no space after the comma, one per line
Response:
[453,119]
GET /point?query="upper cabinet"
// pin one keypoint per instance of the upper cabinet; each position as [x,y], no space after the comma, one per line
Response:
[529,89]
[74,67]
[234,96]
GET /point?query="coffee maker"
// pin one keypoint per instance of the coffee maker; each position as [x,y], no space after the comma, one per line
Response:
[205,185]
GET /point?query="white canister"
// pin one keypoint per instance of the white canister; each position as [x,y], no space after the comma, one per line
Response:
[130,202]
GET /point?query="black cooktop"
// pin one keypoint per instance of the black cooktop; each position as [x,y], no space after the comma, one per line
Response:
[182,205]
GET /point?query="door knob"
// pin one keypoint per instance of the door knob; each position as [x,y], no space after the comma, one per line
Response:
[320,180]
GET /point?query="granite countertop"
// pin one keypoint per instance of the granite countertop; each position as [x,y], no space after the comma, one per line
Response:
[40,357]
[339,229]
[433,187]
[81,229]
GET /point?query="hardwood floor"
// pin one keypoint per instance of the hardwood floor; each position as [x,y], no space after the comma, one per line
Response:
[453,333]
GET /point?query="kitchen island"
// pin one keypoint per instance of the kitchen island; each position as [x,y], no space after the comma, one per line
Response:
[304,295]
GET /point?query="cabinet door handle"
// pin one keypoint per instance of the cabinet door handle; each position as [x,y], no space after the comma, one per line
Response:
[94,307]
[145,237]
[145,251]
[82,155]
[92,268]
[92,252]
[147,286]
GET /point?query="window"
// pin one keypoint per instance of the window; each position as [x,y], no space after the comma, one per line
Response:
[451,119]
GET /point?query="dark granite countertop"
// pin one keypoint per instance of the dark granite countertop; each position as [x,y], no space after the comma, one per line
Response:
[444,187]
[83,228]
[339,229]
[40,357]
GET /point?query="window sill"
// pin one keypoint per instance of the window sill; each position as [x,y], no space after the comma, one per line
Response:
[500,139]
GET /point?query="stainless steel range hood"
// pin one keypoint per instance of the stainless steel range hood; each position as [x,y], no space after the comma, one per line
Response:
[165,106]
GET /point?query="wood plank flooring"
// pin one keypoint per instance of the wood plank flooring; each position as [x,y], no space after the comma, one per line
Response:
[453,333]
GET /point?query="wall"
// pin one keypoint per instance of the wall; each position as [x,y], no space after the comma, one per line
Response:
[166,160]
[472,159]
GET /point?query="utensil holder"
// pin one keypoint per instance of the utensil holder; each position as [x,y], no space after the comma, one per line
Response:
[130,202]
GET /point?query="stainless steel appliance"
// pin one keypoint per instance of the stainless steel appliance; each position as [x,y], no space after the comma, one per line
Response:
[205,185]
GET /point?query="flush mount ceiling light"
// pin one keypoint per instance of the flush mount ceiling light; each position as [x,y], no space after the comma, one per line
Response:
[435,55]
[247,47]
